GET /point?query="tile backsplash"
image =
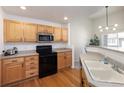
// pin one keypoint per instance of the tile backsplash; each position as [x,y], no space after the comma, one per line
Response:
[32,46]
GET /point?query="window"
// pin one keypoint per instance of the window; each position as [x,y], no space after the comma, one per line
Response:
[115,40]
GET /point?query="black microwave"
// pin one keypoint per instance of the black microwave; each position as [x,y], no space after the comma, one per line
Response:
[44,37]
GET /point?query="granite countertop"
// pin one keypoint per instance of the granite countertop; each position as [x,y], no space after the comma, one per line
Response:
[20,54]
[33,52]
[91,56]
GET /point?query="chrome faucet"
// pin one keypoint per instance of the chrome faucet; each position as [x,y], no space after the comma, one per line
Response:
[104,60]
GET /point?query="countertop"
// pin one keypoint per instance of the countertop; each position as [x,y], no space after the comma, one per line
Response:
[20,54]
[62,49]
[95,57]
[33,52]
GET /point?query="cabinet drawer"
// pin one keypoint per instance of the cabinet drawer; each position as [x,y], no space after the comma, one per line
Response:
[68,53]
[32,67]
[31,58]
[31,73]
[13,60]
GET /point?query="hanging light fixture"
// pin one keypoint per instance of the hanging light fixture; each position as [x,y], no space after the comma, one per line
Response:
[107,27]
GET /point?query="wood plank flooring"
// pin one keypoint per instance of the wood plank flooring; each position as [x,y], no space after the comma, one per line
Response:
[65,78]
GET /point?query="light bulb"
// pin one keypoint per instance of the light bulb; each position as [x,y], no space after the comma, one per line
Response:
[101,30]
[65,18]
[114,29]
[115,25]
[106,28]
[100,27]
[23,7]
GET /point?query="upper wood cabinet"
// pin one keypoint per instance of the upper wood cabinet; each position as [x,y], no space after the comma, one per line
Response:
[64,34]
[45,29]
[30,31]
[13,31]
[13,70]
[57,34]
[49,29]
[42,28]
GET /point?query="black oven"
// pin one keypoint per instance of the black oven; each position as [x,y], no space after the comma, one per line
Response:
[44,37]
[47,60]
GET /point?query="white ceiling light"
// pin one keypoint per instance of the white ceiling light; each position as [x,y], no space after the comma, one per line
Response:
[100,27]
[114,29]
[65,18]
[116,25]
[107,27]
[101,30]
[23,7]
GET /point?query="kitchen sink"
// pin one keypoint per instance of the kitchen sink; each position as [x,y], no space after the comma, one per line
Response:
[103,72]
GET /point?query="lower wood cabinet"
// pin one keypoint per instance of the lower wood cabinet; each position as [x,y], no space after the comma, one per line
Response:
[13,70]
[31,66]
[17,69]
[84,80]
[64,59]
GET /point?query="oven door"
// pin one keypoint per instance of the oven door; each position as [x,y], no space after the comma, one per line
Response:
[47,65]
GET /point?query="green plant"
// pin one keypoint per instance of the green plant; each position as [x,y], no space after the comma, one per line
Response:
[94,41]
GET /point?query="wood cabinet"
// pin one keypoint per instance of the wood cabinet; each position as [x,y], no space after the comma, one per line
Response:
[64,59]
[18,69]
[0,74]
[61,60]
[45,29]
[57,34]
[13,31]
[31,65]
[83,78]
[42,28]
[64,34]
[68,58]
[30,31]
[13,70]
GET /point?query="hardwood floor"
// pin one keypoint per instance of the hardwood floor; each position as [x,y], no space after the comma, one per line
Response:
[65,78]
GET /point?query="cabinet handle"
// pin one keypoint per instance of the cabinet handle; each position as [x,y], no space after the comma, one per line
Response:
[31,73]
[14,60]
[22,65]
[32,58]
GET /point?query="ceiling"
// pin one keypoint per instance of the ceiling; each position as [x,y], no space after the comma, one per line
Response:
[52,13]
[111,9]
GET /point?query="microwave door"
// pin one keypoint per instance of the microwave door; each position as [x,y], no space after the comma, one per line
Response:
[43,37]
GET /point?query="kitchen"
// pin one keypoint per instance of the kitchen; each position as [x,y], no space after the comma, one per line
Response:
[38,50]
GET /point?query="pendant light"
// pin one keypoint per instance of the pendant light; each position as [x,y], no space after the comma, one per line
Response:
[107,27]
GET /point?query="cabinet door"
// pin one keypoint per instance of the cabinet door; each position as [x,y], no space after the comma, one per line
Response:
[61,60]
[49,29]
[64,34]
[0,74]
[30,32]
[13,31]
[13,70]
[42,28]
[68,56]
[57,34]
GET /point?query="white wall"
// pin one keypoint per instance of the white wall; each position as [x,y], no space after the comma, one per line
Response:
[116,17]
[1,30]
[80,33]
